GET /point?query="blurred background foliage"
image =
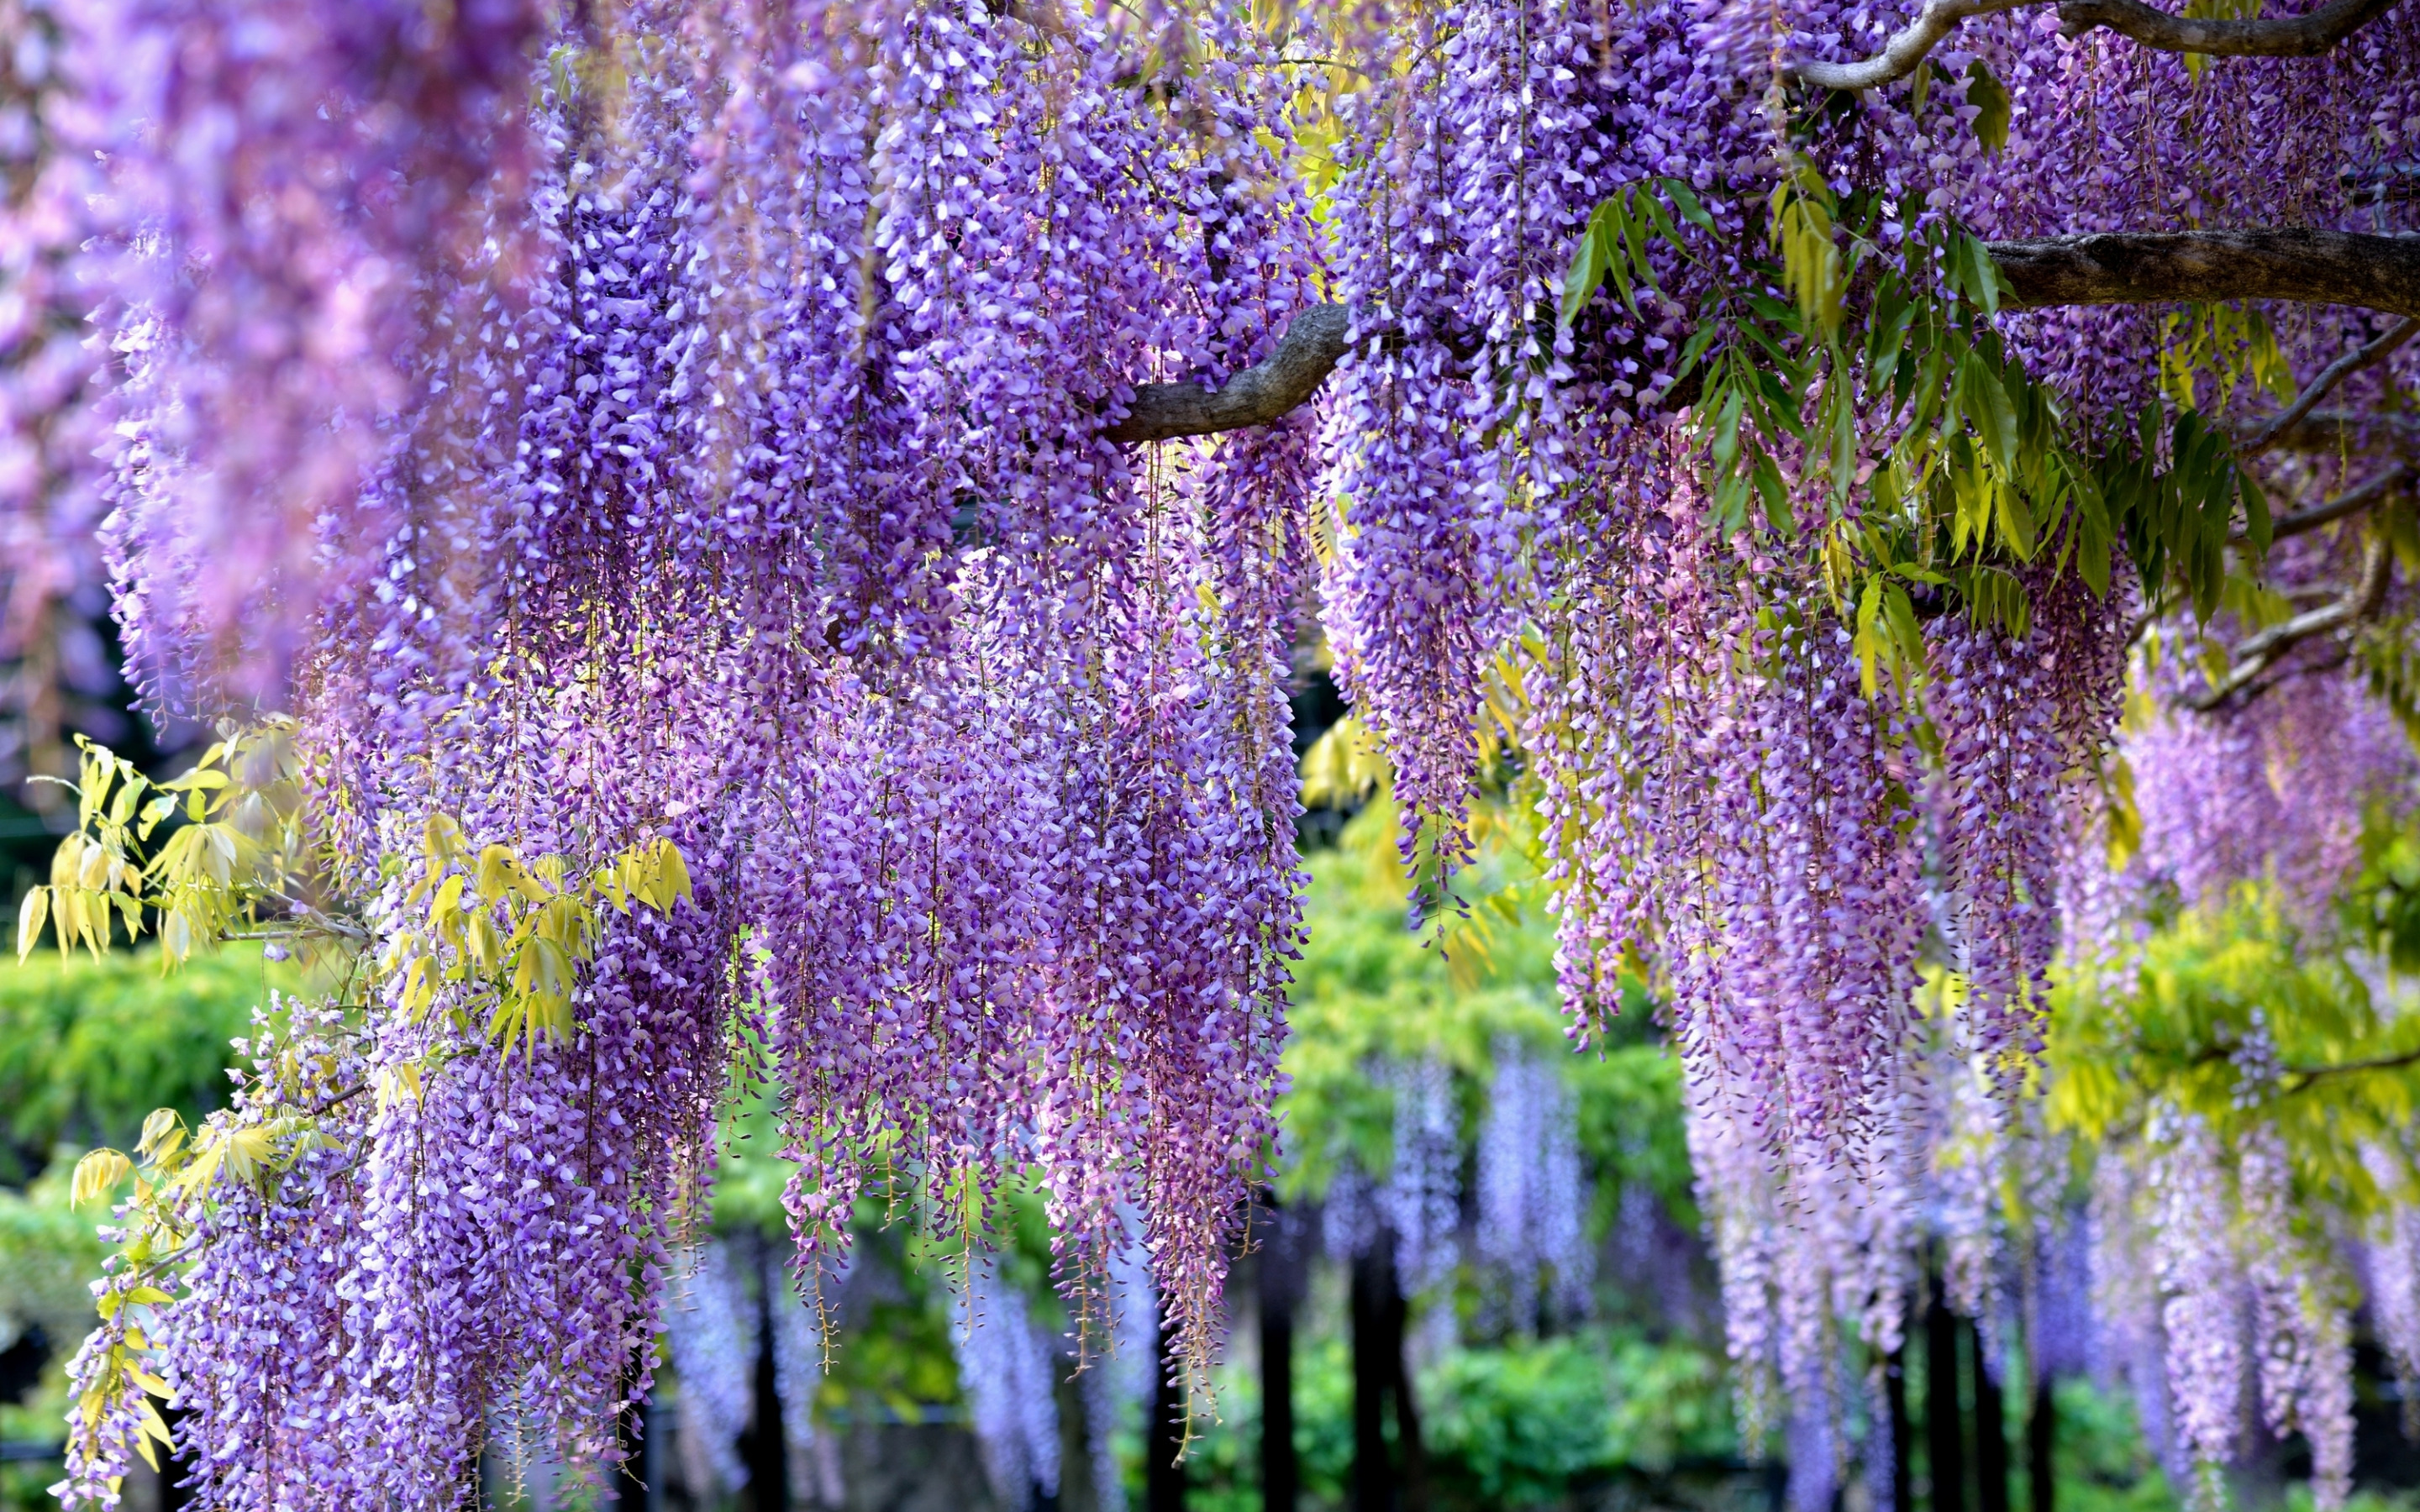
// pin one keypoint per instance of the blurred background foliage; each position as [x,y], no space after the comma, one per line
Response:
[1620,1407]
[87,1048]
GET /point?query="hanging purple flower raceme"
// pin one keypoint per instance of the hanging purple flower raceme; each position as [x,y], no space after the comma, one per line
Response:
[2277,789]
[51,581]
[262,1345]
[2201,1289]
[704,438]
[711,1334]
[1006,1369]
[1476,167]
[2131,1331]
[1533,1198]
[2301,1339]
[1421,1202]
[1967,1169]
[2001,774]
[2392,1268]
[284,182]
[799,1353]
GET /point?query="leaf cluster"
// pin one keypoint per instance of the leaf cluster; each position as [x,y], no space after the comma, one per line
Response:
[515,932]
[233,853]
[2229,1015]
[1849,396]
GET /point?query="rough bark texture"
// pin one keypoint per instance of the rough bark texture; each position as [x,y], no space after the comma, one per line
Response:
[2133,267]
[2154,268]
[2304,35]
[1266,390]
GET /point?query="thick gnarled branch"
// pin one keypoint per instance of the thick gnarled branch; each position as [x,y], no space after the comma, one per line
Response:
[1268,390]
[2147,267]
[2304,267]
[2304,36]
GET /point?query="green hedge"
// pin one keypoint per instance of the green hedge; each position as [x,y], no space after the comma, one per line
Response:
[89,1048]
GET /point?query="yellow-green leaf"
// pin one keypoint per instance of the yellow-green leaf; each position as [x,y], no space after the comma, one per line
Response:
[96,1175]
[31,915]
[1991,103]
[156,1128]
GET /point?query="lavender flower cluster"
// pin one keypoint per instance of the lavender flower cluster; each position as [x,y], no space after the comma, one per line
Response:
[1007,1369]
[692,424]
[1533,1198]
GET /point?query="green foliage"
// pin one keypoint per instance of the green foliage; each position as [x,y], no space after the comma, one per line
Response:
[89,1047]
[47,1254]
[1881,369]
[2185,1027]
[894,1351]
[2103,1463]
[1371,989]
[226,852]
[1991,106]
[1510,1426]
[2383,902]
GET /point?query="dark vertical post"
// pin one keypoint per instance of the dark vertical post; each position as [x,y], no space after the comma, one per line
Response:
[1281,1284]
[1414,1479]
[1164,1437]
[1944,1454]
[174,1468]
[1991,1431]
[1902,1488]
[2041,1446]
[1373,1369]
[766,1456]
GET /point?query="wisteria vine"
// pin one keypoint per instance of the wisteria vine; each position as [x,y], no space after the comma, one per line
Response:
[658,470]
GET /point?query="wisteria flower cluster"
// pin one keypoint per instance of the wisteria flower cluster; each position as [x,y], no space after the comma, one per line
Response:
[695,431]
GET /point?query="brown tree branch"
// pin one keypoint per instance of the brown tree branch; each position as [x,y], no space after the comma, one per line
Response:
[2352,502]
[1907,47]
[2130,268]
[2335,373]
[2339,430]
[1268,390]
[2310,1074]
[2260,651]
[2306,267]
[2304,35]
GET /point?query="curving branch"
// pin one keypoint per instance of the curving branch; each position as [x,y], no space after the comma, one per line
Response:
[2310,1074]
[2347,431]
[2304,35]
[2337,372]
[2260,652]
[1904,51]
[2131,267]
[2306,267]
[1266,390]
[2349,502]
